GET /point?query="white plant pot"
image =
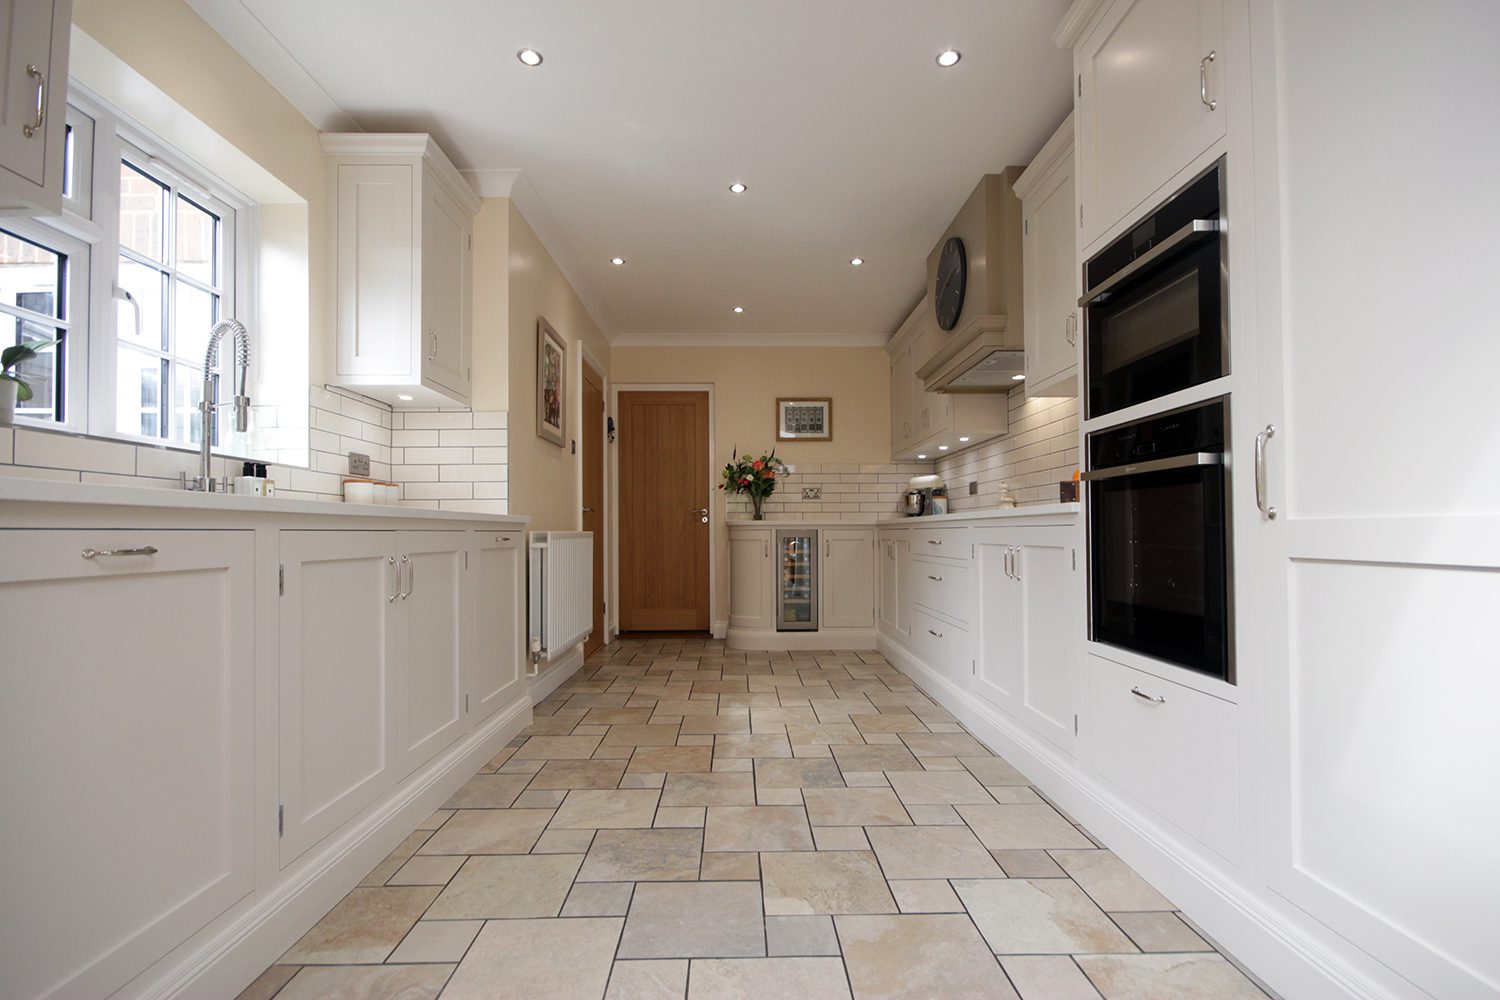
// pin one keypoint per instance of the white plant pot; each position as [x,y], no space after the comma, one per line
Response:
[7,401]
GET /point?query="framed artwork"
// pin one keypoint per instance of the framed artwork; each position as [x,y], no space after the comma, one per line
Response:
[550,410]
[804,419]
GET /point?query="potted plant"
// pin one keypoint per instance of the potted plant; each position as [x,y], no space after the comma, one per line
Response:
[12,386]
[755,477]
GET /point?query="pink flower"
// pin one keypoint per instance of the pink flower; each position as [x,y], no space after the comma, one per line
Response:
[757,465]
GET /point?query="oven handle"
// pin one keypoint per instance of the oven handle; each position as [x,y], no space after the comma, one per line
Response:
[1157,465]
[1191,232]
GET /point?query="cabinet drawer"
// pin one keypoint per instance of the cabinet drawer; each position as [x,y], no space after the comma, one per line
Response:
[940,543]
[1173,749]
[943,587]
[943,646]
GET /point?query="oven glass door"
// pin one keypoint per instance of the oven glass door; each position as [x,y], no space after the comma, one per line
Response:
[1160,333]
[1159,566]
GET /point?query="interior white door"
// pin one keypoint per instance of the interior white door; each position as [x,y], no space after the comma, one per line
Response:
[337,670]
[997,623]
[430,712]
[445,287]
[752,598]
[126,727]
[848,578]
[499,593]
[1051,636]
[1381,566]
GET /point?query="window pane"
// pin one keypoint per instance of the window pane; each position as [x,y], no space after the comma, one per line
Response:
[145,286]
[39,372]
[68,162]
[195,315]
[197,242]
[31,276]
[187,392]
[143,213]
[138,385]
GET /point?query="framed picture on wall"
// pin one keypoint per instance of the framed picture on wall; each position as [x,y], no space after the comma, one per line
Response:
[551,414]
[804,419]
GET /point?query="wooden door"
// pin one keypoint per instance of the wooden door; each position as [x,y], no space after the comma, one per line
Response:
[593,493]
[664,496]
[430,711]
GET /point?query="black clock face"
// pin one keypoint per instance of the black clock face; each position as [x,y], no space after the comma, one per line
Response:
[952,277]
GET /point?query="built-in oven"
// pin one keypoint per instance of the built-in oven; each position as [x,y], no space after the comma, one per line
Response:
[1156,309]
[1158,538]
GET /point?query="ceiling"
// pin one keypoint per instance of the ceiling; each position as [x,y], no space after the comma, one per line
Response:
[851,139]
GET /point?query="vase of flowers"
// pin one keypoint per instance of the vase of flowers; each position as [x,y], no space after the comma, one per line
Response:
[754,477]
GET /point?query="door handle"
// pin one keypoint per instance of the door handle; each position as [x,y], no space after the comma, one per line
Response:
[1154,699]
[1070,329]
[702,513]
[432,355]
[588,510]
[144,550]
[1208,102]
[404,594]
[936,634]
[938,579]
[1260,471]
[1015,562]
[31,128]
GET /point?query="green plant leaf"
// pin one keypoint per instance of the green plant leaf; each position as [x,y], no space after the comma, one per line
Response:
[23,391]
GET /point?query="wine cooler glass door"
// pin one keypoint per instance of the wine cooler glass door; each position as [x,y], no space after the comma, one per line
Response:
[796,581]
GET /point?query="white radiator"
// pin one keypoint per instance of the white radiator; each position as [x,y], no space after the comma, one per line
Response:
[561,592]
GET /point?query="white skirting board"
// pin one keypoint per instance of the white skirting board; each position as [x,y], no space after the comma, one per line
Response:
[720,629]
[555,671]
[1296,958]
[226,956]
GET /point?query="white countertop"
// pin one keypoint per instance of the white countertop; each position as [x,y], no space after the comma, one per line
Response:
[865,521]
[49,492]
[985,514]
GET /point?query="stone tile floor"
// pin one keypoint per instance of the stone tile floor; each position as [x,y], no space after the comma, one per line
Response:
[683,820]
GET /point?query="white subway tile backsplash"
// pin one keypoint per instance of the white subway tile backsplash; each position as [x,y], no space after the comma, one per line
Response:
[437,456]
[471,438]
[436,491]
[490,419]
[1040,452]
[436,420]
[36,472]
[471,473]
[414,439]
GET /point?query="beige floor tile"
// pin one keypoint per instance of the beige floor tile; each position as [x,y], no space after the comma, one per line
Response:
[566,774]
[944,745]
[840,838]
[1160,932]
[1109,881]
[730,867]
[942,764]
[590,809]
[646,735]
[1022,827]
[1049,977]
[927,895]
[437,941]
[854,807]
[733,765]
[934,815]
[436,820]
[269,982]
[643,856]
[866,779]
[993,771]
[539,798]
[1014,794]
[617,717]
[668,760]
[598,899]
[774,745]
[884,953]
[529,885]
[521,958]
[393,861]
[1028,864]
[826,882]
[409,982]
[778,796]
[799,773]
[434,870]
[643,779]
[757,828]
[648,979]
[670,816]
[564,842]
[1041,916]
[713,789]
[895,722]
[488,791]
[800,936]
[725,725]
[874,758]
[931,852]
[923,788]
[758,978]
[836,732]
[559,725]
[694,920]
[514,766]
[365,926]
[884,739]
[1181,977]
[557,748]
[488,831]
[694,740]
[686,707]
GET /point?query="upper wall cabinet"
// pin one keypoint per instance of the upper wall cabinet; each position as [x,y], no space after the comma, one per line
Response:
[402,252]
[1048,253]
[926,424]
[1149,99]
[33,104]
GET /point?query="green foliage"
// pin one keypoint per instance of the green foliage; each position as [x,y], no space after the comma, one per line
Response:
[19,354]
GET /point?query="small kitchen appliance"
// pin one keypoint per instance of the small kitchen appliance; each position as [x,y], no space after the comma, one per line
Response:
[920,490]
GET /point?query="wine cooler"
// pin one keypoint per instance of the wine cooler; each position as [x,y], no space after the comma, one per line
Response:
[797,580]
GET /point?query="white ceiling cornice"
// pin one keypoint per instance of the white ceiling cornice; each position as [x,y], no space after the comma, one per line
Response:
[542,222]
[748,340]
[492,182]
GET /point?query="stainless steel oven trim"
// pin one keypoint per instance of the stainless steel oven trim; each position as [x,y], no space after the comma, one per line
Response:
[1156,465]
[1190,233]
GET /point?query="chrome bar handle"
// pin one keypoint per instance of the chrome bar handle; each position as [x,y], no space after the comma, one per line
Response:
[934,541]
[432,355]
[1007,561]
[403,594]
[30,129]
[144,550]
[932,633]
[395,580]
[1208,102]
[1152,698]
[1015,562]
[1070,329]
[1260,471]
[937,579]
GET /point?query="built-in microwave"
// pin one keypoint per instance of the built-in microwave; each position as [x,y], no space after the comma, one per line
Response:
[1156,309]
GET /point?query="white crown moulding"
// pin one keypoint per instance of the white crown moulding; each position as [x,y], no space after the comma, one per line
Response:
[748,340]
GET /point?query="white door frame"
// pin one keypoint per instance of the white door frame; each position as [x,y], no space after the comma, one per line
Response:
[586,357]
[718,625]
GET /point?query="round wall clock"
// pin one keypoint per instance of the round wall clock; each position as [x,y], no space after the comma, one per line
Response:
[952,277]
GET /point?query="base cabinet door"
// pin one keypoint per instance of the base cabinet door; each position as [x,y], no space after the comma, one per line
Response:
[499,593]
[1051,634]
[895,561]
[997,625]
[337,670]
[430,711]
[848,584]
[752,596]
[127,704]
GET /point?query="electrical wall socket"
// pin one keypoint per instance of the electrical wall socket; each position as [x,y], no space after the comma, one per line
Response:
[812,492]
[359,465]
[973,488]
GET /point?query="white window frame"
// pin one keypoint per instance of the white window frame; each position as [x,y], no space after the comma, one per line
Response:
[75,311]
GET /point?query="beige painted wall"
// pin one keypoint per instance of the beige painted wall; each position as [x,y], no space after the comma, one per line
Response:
[747,382]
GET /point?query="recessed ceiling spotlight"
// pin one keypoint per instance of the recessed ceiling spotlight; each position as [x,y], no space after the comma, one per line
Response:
[1018,378]
[921,456]
[739,309]
[617,261]
[403,397]
[737,188]
[529,57]
[949,57]
[942,447]
[962,440]
[856,261]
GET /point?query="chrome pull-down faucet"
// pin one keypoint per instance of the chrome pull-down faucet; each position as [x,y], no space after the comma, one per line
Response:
[206,406]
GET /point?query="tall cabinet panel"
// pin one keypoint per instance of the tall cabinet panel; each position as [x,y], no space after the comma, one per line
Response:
[499,591]
[895,557]
[1050,277]
[430,626]
[1046,568]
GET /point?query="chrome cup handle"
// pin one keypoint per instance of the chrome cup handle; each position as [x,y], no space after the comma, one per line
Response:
[1260,471]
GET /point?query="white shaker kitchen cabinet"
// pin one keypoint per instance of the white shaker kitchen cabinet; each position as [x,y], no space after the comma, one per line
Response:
[895,562]
[33,104]
[1050,275]
[847,583]
[126,724]
[997,630]
[752,591]
[432,646]
[338,679]
[402,261]
[903,384]
[1149,98]
[499,594]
